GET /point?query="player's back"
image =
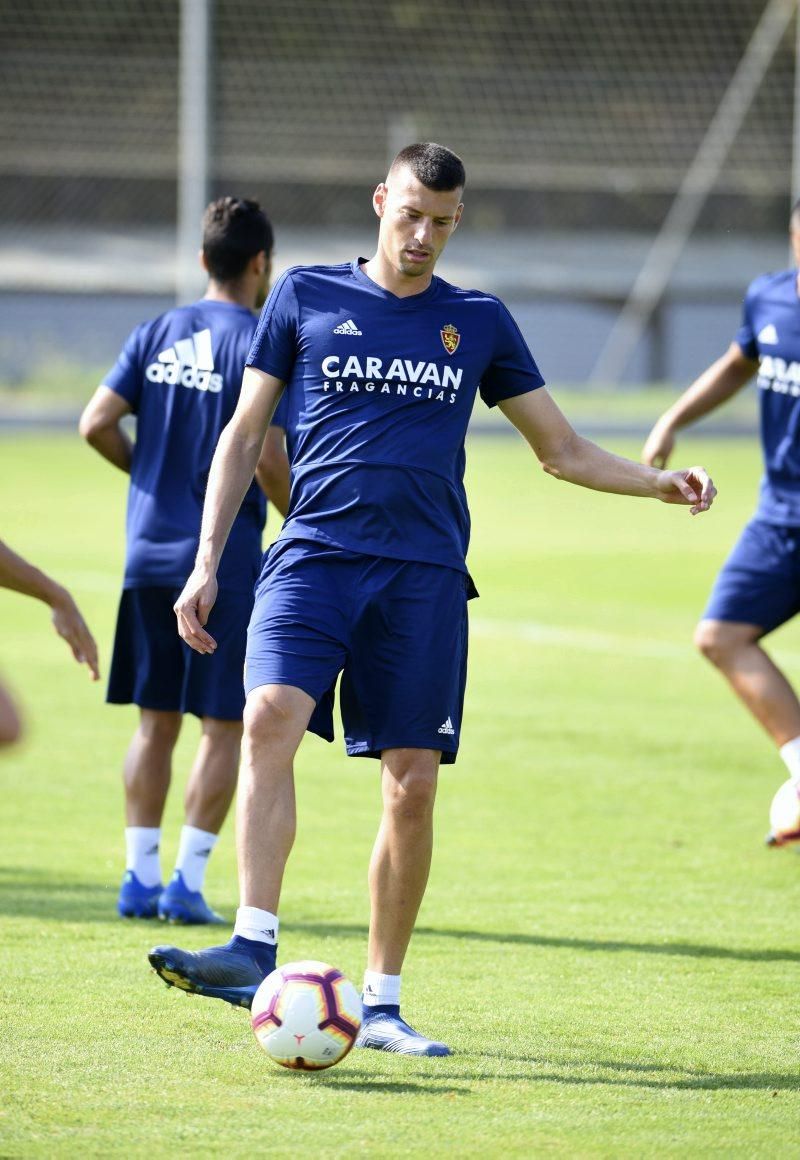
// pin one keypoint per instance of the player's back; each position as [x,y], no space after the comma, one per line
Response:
[181,374]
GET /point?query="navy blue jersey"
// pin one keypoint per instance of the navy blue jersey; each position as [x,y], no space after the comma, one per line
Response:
[181,375]
[379,394]
[770,332]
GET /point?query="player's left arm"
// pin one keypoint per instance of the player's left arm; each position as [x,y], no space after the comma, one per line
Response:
[566,455]
[20,576]
[272,469]
[100,426]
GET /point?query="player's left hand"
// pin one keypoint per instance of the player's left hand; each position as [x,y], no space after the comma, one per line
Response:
[692,487]
[69,624]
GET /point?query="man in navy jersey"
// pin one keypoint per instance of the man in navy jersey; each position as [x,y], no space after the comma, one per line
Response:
[381,362]
[758,588]
[180,375]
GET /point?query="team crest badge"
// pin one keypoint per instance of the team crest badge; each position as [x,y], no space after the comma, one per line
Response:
[450,337]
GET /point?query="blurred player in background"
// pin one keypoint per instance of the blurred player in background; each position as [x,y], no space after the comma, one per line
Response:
[382,361]
[20,576]
[758,588]
[181,375]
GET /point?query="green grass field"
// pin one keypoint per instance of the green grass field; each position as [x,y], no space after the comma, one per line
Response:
[605,941]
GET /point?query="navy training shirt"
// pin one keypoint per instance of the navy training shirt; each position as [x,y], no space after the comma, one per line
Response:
[379,394]
[770,332]
[181,375]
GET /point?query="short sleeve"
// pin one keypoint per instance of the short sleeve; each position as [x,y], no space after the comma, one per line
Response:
[125,377]
[745,335]
[512,370]
[274,346]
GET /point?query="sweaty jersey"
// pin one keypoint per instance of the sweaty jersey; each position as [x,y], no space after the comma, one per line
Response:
[181,375]
[770,332]
[379,394]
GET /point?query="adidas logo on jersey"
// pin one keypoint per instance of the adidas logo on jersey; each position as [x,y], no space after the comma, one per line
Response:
[189,362]
[447,728]
[348,327]
[768,335]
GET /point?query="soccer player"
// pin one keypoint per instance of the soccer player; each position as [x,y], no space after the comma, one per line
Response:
[758,588]
[181,375]
[19,575]
[381,361]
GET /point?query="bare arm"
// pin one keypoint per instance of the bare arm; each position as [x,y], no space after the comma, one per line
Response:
[272,469]
[20,576]
[232,471]
[568,456]
[715,386]
[100,427]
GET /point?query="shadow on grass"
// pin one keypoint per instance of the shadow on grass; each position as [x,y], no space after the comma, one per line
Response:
[27,892]
[490,1066]
[559,942]
[655,1076]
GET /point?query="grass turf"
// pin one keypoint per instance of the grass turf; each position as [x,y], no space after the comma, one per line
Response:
[605,942]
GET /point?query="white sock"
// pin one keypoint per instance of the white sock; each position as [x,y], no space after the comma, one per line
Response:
[141,853]
[255,924]
[790,752]
[193,854]
[381,989]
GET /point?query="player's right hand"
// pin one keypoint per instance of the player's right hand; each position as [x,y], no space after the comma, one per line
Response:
[658,446]
[193,608]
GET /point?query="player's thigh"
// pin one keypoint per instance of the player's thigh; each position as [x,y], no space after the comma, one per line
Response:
[148,660]
[213,686]
[403,685]
[759,583]
[299,629]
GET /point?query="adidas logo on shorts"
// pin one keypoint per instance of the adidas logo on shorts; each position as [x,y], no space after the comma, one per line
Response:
[447,728]
[348,327]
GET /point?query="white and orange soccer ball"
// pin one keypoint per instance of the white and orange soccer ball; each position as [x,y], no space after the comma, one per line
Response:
[306,1015]
[784,815]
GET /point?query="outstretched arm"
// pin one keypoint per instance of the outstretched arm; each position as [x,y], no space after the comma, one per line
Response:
[100,427]
[715,386]
[232,471]
[566,455]
[17,574]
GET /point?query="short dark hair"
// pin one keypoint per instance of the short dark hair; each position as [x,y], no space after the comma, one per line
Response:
[235,229]
[433,165]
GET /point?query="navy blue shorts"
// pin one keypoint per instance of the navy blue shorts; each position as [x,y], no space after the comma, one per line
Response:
[396,631]
[153,668]
[760,581]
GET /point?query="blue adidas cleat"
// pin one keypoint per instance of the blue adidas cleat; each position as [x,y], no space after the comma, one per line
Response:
[187,907]
[136,900]
[232,972]
[383,1030]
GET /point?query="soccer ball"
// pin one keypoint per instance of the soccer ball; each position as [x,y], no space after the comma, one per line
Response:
[306,1015]
[784,815]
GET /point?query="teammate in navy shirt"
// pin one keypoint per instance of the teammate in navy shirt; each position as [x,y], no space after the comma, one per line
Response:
[758,588]
[180,375]
[381,362]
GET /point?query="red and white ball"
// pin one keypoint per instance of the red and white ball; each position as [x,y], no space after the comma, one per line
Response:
[306,1015]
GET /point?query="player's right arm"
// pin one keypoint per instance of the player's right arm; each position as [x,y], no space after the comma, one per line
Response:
[100,426]
[715,386]
[232,470]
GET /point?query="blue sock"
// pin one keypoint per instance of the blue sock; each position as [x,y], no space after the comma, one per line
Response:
[264,954]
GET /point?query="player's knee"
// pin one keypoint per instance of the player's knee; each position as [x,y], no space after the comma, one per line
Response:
[266,721]
[221,732]
[410,789]
[161,729]
[716,641]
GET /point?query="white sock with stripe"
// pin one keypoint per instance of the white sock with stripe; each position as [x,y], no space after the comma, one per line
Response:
[141,853]
[381,990]
[193,854]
